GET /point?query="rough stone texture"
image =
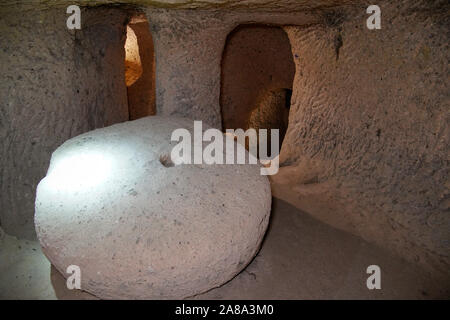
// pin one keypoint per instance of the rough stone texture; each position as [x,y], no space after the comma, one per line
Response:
[55,84]
[133,65]
[272,112]
[256,60]
[189,48]
[301,258]
[70,78]
[368,144]
[140,228]
[141,94]
[367,148]
[267,5]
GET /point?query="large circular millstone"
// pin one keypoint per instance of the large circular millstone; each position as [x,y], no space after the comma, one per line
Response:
[140,227]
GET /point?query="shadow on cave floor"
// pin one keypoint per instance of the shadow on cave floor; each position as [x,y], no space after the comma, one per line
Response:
[301,258]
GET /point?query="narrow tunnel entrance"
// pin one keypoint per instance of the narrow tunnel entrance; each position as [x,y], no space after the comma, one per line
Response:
[140,68]
[257,76]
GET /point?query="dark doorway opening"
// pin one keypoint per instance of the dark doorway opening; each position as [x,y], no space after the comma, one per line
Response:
[257,75]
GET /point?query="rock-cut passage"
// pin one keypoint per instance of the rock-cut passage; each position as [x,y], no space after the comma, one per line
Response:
[257,76]
[140,69]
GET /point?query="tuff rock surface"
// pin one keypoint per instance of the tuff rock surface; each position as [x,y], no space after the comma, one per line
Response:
[140,227]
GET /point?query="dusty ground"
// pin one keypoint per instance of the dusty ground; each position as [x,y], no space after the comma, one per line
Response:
[301,258]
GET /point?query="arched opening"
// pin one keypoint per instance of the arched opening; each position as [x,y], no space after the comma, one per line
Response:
[257,76]
[140,69]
